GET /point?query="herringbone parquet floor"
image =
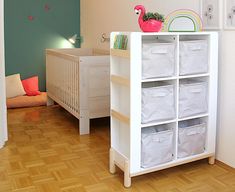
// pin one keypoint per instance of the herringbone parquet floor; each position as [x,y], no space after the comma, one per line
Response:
[45,154]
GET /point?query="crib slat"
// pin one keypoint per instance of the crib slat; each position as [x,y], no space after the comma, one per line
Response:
[73,80]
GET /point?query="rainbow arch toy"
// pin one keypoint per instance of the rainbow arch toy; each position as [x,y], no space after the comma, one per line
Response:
[183,20]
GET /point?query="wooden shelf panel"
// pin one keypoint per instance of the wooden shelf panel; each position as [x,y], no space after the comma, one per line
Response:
[174,78]
[120,117]
[120,80]
[159,79]
[173,163]
[120,53]
[194,76]
[193,117]
[119,158]
[158,123]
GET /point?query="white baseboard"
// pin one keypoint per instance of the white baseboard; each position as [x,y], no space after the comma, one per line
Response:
[2,144]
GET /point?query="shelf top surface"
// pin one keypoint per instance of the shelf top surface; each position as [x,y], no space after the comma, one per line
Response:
[170,33]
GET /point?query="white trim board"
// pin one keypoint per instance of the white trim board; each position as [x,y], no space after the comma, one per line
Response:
[3,119]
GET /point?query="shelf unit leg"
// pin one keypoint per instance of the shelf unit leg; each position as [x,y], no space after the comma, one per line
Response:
[112,166]
[211,160]
[127,178]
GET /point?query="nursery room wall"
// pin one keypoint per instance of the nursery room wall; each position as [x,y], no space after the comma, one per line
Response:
[105,16]
[31,26]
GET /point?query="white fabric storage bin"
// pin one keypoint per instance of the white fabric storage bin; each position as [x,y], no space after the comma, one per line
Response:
[192,98]
[158,103]
[191,139]
[193,57]
[158,60]
[157,146]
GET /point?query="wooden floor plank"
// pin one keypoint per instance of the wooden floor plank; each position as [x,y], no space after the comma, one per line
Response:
[45,153]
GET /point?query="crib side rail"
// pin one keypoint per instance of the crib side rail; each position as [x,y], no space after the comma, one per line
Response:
[62,80]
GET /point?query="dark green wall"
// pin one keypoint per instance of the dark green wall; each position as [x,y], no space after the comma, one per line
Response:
[26,40]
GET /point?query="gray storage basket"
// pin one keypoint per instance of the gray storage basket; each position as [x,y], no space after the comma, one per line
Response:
[191,138]
[193,57]
[158,60]
[157,146]
[192,98]
[158,103]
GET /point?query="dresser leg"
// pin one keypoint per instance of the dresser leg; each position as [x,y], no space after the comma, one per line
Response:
[127,178]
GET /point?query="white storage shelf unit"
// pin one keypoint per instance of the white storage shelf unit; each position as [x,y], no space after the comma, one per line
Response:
[173,109]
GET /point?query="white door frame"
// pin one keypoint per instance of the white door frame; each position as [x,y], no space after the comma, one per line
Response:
[3,111]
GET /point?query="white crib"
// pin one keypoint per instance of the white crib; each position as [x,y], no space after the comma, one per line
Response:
[78,80]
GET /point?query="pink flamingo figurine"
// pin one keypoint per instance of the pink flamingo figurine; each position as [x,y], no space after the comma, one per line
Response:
[151,25]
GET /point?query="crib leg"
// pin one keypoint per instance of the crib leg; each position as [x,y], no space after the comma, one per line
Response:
[84,122]
[50,101]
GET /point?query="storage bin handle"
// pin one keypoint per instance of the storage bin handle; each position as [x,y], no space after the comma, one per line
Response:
[193,132]
[198,90]
[159,51]
[160,94]
[195,47]
[159,140]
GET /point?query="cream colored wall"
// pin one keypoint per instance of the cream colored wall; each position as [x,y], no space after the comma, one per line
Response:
[104,16]
[3,127]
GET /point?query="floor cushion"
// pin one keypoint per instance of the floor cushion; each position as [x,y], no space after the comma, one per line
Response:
[27,101]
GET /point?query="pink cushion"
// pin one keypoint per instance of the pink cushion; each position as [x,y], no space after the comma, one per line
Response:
[27,101]
[31,86]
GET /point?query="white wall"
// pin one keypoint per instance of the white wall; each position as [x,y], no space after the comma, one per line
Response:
[3,122]
[104,16]
[226,110]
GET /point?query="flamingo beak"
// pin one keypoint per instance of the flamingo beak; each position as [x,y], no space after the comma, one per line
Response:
[137,11]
